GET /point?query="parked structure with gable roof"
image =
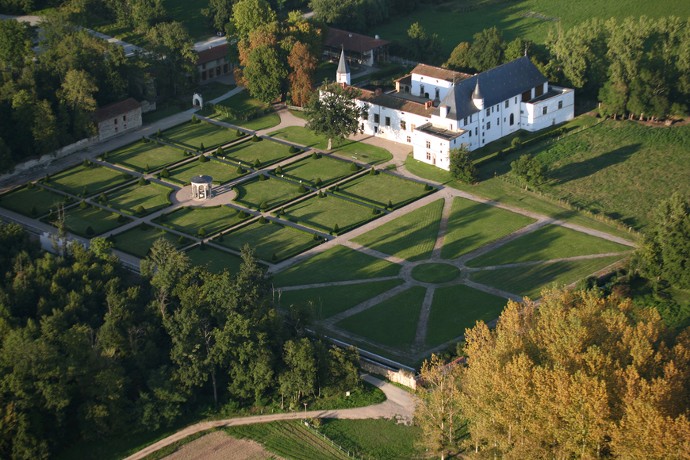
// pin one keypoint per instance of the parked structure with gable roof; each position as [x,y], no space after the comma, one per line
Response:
[359,48]
[117,118]
[435,110]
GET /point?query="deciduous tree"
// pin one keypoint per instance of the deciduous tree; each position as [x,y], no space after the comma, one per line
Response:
[461,165]
[334,112]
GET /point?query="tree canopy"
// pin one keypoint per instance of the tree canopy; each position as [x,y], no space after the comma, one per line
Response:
[334,112]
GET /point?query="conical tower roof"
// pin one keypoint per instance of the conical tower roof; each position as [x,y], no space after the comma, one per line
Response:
[477,94]
[343,68]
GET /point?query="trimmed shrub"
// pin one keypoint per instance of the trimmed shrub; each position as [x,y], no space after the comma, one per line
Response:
[243,214]
[84,191]
[294,149]
[376,211]
[372,171]
[47,178]
[30,186]
[181,240]
[390,204]
[203,158]
[201,232]
[302,189]
[158,133]
[354,167]
[83,204]
[142,181]
[146,168]
[315,156]
[102,198]
[274,257]
[240,170]
[279,170]
[121,218]
[336,229]
[263,220]
[140,210]
[257,163]
[427,187]
[281,212]
[318,182]
[194,120]
[263,206]
[86,163]
[263,177]
[89,231]
[201,147]
[256,138]
[220,151]
[240,133]
[316,237]
[165,173]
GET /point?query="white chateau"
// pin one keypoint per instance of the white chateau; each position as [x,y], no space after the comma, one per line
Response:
[435,110]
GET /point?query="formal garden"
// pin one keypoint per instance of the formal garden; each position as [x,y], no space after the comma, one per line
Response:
[401,281]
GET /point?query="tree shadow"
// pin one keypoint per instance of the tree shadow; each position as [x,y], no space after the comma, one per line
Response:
[590,166]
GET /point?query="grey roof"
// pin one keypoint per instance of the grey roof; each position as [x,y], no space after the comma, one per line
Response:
[498,84]
[342,65]
[201,179]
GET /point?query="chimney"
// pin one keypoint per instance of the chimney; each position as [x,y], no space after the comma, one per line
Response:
[443,111]
[378,91]
[428,104]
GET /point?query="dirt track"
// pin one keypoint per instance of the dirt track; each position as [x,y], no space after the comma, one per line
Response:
[221,446]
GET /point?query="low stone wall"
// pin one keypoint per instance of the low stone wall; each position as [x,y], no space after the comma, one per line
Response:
[401,376]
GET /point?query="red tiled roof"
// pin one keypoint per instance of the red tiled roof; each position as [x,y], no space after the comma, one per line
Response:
[211,54]
[398,103]
[335,38]
[115,109]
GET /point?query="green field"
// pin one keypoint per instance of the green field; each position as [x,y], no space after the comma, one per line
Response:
[411,236]
[78,220]
[393,322]
[546,243]
[336,264]
[192,135]
[322,167]
[288,439]
[435,273]
[324,302]
[265,151]
[350,150]
[324,213]
[530,280]
[271,241]
[471,225]
[31,201]
[375,438]
[457,20]
[190,219]
[138,240]
[219,171]
[601,168]
[145,156]
[87,180]
[272,191]
[214,259]
[383,189]
[152,197]
[455,308]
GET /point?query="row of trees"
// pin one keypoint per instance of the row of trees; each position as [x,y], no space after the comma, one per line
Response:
[579,375]
[359,15]
[89,350]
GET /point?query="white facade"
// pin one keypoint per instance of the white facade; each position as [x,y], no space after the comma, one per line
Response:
[435,110]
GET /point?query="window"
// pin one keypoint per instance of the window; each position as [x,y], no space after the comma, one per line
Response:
[497,122]
[492,110]
[376,118]
[428,144]
[437,93]
[470,134]
[488,125]
[512,119]
[507,103]
[428,155]
[476,132]
[421,90]
[115,120]
[560,105]
[409,139]
[516,99]
[464,122]
[388,121]
[543,111]
[124,117]
[488,112]
[403,125]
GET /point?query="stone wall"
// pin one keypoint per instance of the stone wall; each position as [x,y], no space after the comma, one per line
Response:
[401,376]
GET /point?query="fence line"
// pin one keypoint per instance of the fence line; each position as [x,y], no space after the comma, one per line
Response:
[350,454]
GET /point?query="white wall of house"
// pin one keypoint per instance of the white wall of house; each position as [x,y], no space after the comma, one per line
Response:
[431,150]
[394,125]
[119,124]
[423,85]
[549,112]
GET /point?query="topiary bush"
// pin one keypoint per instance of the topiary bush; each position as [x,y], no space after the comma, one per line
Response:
[302,189]
[243,214]
[294,149]
[256,138]
[274,257]
[264,205]
[140,210]
[257,163]
[279,170]
[240,170]
[102,198]
[336,229]
[201,232]
[201,147]
[86,163]
[181,240]
[376,211]
[427,187]
[390,204]
[354,167]
[121,218]
[240,133]
[89,231]
[142,181]
[165,173]
[263,177]
[372,171]
[318,182]
[315,156]
[203,159]
[263,220]
[30,186]
[220,152]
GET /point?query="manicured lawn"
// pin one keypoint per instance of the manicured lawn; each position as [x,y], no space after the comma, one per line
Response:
[349,150]
[549,242]
[336,264]
[288,439]
[393,322]
[151,196]
[214,259]
[78,220]
[325,302]
[271,241]
[383,189]
[219,171]
[322,167]
[192,135]
[272,191]
[375,438]
[190,220]
[471,225]
[145,156]
[190,15]
[85,181]
[601,168]
[327,212]
[530,280]
[32,202]
[138,240]
[456,308]
[458,20]
[411,236]
[265,151]
[435,273]
[242,103]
